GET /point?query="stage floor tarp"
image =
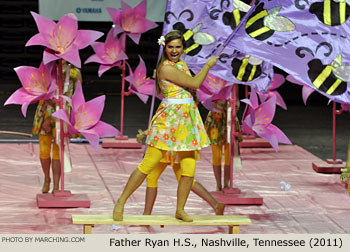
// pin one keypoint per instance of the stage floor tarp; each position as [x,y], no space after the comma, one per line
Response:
[315,203]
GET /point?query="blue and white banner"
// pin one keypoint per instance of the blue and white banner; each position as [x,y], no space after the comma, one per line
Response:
[95,10]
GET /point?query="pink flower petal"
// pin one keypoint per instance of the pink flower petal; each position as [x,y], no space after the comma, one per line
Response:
[106,130]
[117,29]
[279,100]
[44,24]
[88,114]
[94,58]
[99,49]
[142,97]
[265,112]
[115,14]
[345,106]
[78,97]
[141,8]
[306,91]
[92,137]
[48,57]
[253,99]
[247,125]
[131,80]
[140,71]
[147,87]
[72,57]
[263,97]
[20,96]
[103,68]
[202,95]
[269,135]
[224,94]
[291,79]
[142,25]
[62,115]
[125,6]
[277,81]
[32,81]
[135,37]
[281,137]
[66,29]
[86,37]
[38,39]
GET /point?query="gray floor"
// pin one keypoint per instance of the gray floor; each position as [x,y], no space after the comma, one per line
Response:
[307,126]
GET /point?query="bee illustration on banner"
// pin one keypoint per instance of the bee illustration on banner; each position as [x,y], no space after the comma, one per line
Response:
[233,18]
[194,39]
[332,79]
[246,69]
[262,24]
[331,12]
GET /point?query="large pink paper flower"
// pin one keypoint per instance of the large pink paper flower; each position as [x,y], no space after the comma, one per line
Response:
[257,121]
[277,81]
[85,118]
[109,54]
[139,84]
[253,103]
[306,91]
[345,106]
[131,20]
[212,89]
[63,40]
[38,84]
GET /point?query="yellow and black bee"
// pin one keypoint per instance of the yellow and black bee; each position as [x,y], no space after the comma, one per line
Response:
[233,18]
[331,79]
[331,12]
[246,69]
[263,23]
[194,39]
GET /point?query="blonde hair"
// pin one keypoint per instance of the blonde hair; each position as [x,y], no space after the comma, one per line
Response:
[170,36]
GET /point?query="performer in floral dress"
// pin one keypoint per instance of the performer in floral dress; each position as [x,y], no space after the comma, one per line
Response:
[176,132]
[44,125]
[216,127]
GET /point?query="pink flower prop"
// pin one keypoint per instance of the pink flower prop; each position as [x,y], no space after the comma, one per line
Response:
[307,91]
[139,84]
[109,54]
[258,123]
[213,89]
[38,84]
[277,81]
[345,106]
[253,104]
[85,118]
[63,40]
[131,20]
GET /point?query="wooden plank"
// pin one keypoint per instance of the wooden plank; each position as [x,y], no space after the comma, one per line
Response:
[130,143]
[166,220]
[233,229]
[87,229]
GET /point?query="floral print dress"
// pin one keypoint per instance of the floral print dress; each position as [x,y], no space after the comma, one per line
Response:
[43,112]
[177,127]
[216,124]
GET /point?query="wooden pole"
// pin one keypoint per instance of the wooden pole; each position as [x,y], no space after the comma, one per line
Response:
[60,102]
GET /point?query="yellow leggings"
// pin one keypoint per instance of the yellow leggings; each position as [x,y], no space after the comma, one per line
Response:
[153,156]
[217,154]
[45,148]
[153,176]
